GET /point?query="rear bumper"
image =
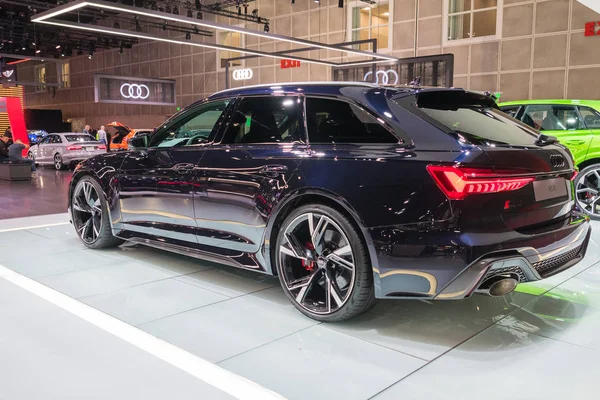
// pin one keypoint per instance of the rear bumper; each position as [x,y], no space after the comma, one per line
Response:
[451,265]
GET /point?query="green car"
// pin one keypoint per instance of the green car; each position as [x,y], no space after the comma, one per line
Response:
[576,124]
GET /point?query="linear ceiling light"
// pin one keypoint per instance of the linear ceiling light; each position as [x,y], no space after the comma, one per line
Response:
[45,17]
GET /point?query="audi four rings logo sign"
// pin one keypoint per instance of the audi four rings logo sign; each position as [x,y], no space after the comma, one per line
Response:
[135,91]
[241,74]
[383,77]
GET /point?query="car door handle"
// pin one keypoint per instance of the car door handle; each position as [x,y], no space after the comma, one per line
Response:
[184,167]
[273,169]
[575,142]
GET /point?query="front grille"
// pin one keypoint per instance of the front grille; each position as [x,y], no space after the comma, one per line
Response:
[548,266]
[507,270]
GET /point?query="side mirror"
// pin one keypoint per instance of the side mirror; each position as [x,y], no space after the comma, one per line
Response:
[138,142]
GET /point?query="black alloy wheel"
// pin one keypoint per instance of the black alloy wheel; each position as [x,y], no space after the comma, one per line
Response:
[58,162]
[323,264]
[587,191]
[90,215]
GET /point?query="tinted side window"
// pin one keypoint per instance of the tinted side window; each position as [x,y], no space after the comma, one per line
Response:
[591,118]
[273,119]
[334,121]
[55,139]
[193,128]
[546,117]
[511,110]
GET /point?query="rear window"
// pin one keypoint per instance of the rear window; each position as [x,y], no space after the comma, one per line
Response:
[473,118]
[79,138]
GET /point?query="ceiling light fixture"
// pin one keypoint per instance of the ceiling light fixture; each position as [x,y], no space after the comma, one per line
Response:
[44,17]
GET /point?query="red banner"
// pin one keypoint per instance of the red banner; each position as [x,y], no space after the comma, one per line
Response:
[290,63]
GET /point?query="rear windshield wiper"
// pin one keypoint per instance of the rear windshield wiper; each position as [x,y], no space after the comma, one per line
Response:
[545,140]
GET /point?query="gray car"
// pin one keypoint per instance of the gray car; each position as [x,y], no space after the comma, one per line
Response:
[65,149]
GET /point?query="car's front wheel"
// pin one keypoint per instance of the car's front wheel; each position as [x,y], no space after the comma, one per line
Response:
[89,210]
[587,190]
[323,264]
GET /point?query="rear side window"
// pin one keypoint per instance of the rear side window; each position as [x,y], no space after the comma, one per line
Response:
[334,121]
[511,110]
[473,118]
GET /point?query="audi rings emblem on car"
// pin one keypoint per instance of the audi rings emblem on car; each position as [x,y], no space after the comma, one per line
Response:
[241,74]
[383,77]
[135,91]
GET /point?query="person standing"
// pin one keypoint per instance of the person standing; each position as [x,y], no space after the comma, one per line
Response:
[15,152]
[87,129]
[4,143]
[102,135]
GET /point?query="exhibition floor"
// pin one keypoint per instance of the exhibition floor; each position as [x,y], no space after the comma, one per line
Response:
[528,345]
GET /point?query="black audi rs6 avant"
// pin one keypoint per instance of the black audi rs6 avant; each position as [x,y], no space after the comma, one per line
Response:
[347,192]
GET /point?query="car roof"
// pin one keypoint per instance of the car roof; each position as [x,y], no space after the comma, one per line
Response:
[590,103]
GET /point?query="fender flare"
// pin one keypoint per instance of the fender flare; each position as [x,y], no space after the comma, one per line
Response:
[331,196]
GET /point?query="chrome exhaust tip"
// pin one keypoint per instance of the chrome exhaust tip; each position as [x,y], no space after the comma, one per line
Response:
[498,286]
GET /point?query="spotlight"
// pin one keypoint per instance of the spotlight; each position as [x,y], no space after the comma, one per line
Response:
[164,25]
[190,14]
[317,1]
[199,15]
[246,8]
[57,46]
[239,11]
[198,5]
[341,3]
[188,36]
[38,51]
[293,1]
[121,48]
[153,6]
[255,12]
[175,10]
[62,54]
[138,28]
[267,28]
[168,9]
[116,25]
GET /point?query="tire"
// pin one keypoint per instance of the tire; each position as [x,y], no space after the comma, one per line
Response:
[589,179]
[58,162]
[324,268]
[99,234]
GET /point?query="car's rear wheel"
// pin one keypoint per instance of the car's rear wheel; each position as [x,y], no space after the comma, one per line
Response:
[587,190]
[323,264]
[89,211]
[58,162]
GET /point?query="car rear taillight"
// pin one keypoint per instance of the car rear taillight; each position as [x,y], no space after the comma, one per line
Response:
[101,147]
[458,182]
[74,147]
[572,178]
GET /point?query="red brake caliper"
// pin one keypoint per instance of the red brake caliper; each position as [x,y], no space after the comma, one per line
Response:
[309,265]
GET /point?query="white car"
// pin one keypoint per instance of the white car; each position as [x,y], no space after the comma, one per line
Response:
[65,149]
